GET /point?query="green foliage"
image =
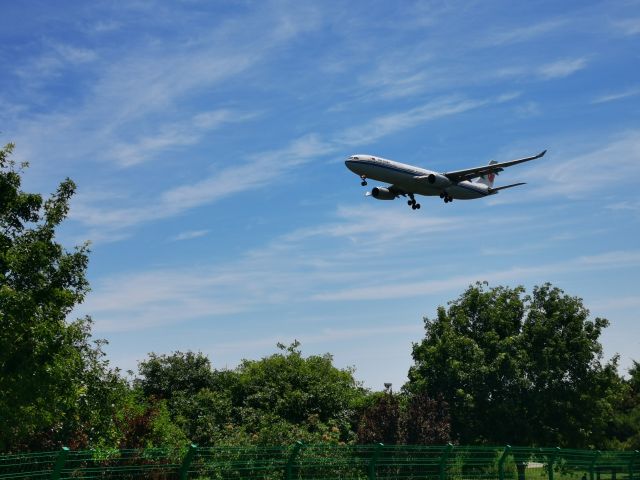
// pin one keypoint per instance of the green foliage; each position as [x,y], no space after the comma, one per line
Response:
[624,429]
[518,369]
[275,400]
[162,376]
[295,388]
[49,367]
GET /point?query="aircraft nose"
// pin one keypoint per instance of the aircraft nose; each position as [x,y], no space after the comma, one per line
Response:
[348,162]
[351,162]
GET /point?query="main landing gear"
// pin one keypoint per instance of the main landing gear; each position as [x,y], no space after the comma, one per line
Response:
[364,180]
[446,197]
[412,203]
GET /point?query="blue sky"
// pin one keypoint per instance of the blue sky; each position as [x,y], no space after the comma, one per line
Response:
[207,140]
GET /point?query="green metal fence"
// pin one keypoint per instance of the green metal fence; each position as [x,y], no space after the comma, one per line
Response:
[325,462]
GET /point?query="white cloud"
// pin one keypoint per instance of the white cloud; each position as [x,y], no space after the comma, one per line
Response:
[174,135]
[325,263]
[580,167]
[189,235]
[562,68]
[528,110]
[617,96]
[131,83]
[372,130]
[522,34]
[630,26]
[264,168]
[320,337]
[610,260]
[633,206]
[616,303]
[75,55]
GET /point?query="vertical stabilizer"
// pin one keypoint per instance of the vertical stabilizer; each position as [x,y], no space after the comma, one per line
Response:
[488,179]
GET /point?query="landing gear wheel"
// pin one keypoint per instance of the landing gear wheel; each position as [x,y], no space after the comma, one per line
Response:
[363,183]
[410,202]
[417,206]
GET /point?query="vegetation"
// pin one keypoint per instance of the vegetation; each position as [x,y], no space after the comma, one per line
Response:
[54,384]
[518,369]
[497,366]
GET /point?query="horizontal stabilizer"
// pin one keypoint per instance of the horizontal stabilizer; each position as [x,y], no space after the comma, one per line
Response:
[492,190]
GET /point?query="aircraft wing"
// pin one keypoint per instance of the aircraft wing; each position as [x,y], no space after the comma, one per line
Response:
[494,190]
[471,173]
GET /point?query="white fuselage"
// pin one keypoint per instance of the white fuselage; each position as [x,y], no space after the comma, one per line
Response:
[407,178]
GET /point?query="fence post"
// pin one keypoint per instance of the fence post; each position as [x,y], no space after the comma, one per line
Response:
[374,460]
[592,467]
[552,460]
[186,462]
[288,474]
[57,468]
[503,458]
[443,461]
[632,463]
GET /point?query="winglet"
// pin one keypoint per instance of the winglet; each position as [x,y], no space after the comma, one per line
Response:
[541,154]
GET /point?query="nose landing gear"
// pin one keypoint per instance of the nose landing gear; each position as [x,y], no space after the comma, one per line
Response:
[364,180]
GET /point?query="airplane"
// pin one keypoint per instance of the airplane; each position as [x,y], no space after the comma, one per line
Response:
[408,180]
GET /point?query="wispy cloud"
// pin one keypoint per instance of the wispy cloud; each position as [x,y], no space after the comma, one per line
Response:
[617,303]
[326,263]
[387,124]
[562,68]
[262,169]
[579,167]
[629,26]
[523,34]
[627,205]
[161,297]
[320,337]
[610,260]
[610,97]
[131,84]
[189,235]
[175,135]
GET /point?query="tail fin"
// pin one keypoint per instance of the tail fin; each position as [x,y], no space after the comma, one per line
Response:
[488,179]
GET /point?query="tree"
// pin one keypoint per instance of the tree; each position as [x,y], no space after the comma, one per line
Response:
[425,421]
[163,376]
[380,422]
[275,400]
[624,428]
[408,419]
[294,387]
[518,369]
[48,366]
[197,397]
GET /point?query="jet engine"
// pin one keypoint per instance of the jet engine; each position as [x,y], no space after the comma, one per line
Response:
[381,193]
[438,180]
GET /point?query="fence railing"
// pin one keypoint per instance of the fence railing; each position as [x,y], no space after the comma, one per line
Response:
[326,461]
